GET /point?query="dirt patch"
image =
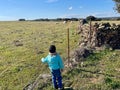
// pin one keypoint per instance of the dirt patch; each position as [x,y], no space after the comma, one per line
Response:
[99,79]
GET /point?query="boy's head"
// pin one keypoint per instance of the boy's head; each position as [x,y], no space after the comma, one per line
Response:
[52,49]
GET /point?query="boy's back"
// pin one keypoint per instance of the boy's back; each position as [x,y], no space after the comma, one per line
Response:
[54,61]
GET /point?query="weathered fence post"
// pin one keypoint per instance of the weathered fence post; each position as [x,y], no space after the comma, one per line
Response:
[68,46]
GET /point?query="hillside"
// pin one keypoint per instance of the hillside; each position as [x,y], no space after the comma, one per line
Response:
[23,44]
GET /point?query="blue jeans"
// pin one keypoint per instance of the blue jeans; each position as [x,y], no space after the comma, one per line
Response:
[56,78]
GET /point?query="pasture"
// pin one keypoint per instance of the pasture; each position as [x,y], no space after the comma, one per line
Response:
[23,44]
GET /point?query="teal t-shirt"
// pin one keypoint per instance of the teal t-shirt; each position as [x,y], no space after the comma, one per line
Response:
[54,62]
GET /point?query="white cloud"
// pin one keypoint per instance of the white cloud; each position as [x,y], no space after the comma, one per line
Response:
[70,8]
[51,1]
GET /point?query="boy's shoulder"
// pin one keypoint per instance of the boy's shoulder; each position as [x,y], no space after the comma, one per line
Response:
[57,54]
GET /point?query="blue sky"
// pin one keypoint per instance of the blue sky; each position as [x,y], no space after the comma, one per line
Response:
[34,9]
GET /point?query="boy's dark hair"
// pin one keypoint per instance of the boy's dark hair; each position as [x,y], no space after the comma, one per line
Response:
[52,49]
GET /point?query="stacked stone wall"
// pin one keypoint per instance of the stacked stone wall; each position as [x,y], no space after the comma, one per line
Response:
[100,34]
[94,36]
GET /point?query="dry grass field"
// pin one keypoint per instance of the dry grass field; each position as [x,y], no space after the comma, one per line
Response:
[23,44]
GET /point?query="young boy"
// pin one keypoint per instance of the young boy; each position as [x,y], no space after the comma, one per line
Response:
[55,64]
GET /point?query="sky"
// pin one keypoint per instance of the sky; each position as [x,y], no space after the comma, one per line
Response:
[36,9]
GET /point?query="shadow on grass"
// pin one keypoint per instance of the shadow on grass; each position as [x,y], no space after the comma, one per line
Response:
[110,75]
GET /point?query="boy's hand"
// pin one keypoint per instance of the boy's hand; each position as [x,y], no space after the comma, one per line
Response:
[42,59]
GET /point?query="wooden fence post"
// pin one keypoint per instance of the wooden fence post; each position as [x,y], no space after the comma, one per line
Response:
[68,46]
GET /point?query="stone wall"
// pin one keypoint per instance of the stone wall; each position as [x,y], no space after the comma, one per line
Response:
[94,36]
[108,34]
[100,34]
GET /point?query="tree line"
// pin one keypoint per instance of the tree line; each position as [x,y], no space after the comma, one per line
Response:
[92,18]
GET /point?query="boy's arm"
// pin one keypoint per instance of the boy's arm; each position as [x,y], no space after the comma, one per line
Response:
[44,60]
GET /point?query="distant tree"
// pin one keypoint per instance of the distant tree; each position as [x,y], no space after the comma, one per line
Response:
[42,19]
[46,19]
[98,19]
[74,19]
[21,19]
[59,19]
[118,18]
[66,19]
[92,18]
[117,2]
[37,20]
